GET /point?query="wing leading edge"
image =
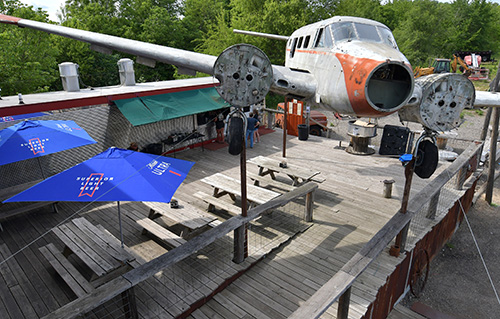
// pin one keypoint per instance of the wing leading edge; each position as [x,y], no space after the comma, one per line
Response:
[285,80]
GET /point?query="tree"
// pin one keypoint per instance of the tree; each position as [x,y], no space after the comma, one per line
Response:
[28,64]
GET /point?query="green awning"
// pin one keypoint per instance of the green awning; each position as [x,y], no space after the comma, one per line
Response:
[150,109]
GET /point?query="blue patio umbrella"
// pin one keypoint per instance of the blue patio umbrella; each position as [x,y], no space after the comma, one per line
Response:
[113,175]
[32,139]
[22,116]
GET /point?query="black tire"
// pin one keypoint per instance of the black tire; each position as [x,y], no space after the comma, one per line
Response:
[427,159]
[315,130]
[235,135]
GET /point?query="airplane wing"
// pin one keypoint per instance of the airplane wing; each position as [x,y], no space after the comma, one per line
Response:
[285,80]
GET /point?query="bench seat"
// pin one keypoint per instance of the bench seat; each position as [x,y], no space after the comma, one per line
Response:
[258,179]
[150,226]
[213,201]
[78,284]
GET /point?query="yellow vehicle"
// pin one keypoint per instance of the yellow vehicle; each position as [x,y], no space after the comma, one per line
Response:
[445,65]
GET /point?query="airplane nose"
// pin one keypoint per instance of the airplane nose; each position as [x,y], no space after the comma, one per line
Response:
[389,86]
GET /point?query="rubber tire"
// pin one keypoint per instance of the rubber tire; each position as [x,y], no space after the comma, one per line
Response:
[427,159]
[235,135]
[315,130]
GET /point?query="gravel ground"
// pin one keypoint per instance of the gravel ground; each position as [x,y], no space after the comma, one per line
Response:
[458,284]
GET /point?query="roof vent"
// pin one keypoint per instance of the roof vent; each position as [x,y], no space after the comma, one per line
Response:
[69,76]
[126,69]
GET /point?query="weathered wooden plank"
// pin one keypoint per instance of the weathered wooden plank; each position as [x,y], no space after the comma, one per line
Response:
[78,284]
[155,229]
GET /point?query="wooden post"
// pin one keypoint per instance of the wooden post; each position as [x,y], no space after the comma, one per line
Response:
[284,125]
[240,234]
[493,144]
[487,119]
[344,301]
[400,242]
[129,304]
[433,203]
[492,161]
[309,207]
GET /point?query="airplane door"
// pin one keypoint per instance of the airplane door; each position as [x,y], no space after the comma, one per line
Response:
[295,110]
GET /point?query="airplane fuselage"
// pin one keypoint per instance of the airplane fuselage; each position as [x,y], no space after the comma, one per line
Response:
[356,64]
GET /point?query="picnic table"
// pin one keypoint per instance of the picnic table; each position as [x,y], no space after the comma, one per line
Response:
[270,166]
[225,185]
[94,246]
[189,217]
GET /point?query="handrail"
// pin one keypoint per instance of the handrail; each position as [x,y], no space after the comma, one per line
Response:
[330,292]
[115,287]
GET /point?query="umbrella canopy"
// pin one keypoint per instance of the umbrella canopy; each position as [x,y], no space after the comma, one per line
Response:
[22,116]
[113,175]
[30,139]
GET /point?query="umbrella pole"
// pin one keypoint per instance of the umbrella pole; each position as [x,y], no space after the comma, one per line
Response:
[120,223]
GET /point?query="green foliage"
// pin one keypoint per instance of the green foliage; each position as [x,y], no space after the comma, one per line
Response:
[28,61]
[424,30]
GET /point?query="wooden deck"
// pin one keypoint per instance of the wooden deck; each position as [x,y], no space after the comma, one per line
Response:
[348,210]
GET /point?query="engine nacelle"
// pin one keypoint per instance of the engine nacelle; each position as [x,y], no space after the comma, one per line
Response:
[245,75]
[438,100]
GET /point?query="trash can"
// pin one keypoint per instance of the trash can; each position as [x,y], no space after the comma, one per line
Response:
[303,132]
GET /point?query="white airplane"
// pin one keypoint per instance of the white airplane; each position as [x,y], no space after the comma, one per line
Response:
[344,64]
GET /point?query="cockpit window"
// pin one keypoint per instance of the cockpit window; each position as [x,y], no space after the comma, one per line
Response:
[387,37]
[349,31]
[343,31]
[367,32]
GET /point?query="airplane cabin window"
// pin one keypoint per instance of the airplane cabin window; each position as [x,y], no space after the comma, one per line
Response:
[294,45]
[300,42]
[367,32]
[306,41]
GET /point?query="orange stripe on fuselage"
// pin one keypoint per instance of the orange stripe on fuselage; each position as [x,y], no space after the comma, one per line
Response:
[356,72]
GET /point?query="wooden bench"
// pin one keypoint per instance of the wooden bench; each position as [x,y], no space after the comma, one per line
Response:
[78,284]
[216,202]
[258,179]
[8,192]
[150,226]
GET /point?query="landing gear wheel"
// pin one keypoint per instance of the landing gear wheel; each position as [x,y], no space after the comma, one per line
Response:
[420,272]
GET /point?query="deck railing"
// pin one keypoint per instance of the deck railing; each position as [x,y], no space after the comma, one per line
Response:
[119,293]
[446,188]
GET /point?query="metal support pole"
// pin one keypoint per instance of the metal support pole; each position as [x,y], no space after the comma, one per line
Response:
[344,301]
[400,242]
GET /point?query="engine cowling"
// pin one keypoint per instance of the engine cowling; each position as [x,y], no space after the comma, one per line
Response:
[438,100]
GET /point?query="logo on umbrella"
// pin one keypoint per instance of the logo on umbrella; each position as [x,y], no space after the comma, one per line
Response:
[91,184]
[160,168]
[36,145]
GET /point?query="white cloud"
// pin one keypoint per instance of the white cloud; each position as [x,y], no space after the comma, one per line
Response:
[51,6]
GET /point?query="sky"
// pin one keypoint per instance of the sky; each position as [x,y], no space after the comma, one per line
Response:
[51,6]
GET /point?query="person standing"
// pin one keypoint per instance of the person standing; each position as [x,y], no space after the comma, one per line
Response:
[252,124]
[219,127]
[256,131]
